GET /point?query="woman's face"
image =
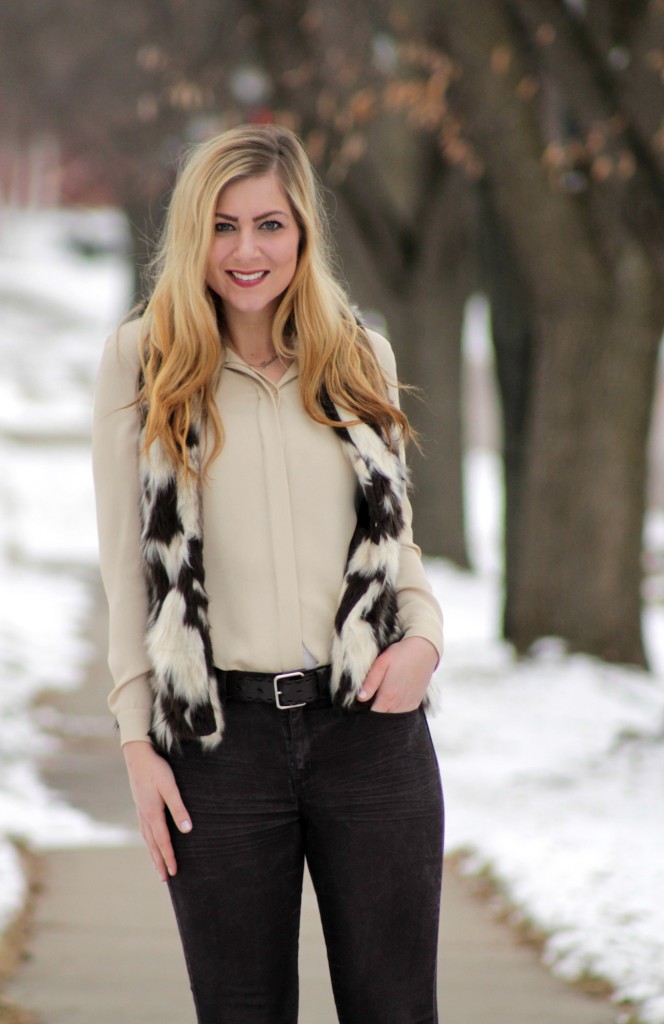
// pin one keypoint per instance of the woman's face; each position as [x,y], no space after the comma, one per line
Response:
[253,255]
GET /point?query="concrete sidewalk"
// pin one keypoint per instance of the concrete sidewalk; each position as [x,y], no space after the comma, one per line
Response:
[105,948]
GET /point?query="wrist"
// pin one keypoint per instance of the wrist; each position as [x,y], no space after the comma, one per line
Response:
[424,649]
[135,748]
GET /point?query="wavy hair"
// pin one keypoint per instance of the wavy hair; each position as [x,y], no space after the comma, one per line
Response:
[182,335]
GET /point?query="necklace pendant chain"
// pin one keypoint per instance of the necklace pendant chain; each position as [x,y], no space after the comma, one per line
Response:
[266,362]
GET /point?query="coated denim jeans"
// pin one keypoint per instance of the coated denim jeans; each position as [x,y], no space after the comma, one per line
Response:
[356,793]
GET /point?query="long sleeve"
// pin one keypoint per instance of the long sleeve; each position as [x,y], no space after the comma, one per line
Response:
[115,458]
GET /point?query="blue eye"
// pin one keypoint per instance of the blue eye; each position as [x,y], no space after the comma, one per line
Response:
[223,225]
[271,225]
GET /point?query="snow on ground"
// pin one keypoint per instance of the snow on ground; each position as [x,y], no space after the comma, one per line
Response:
[56,306]
[553,771]
[553,767]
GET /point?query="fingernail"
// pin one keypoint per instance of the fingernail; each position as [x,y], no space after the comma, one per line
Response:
[171,872]
[185,826]
[362,695]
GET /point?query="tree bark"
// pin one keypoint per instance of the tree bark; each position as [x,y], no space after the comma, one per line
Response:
[579,568]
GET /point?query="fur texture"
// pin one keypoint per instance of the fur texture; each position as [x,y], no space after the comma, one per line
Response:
[366,621]
[186,703]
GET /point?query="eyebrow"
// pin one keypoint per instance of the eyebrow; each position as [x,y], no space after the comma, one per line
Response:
[261,216]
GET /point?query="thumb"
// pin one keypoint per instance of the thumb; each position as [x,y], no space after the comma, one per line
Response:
[373,679]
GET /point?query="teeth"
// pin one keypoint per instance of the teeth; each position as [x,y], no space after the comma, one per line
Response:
[248,277]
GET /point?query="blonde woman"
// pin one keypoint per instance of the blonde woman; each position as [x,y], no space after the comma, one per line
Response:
[270,678]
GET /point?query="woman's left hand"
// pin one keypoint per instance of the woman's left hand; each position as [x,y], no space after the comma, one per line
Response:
[400,675]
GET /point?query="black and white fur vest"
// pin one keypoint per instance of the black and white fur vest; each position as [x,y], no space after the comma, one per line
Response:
[186,702]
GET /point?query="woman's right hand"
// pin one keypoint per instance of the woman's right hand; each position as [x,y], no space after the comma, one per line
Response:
[153,788]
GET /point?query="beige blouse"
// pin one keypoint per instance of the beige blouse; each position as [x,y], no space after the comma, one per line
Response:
[278,512]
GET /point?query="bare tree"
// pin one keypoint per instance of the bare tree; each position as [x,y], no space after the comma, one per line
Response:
[583,221]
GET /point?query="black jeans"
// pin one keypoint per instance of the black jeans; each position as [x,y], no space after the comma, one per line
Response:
[356,793]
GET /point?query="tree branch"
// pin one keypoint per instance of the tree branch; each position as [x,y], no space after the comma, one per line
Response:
[632,179]
[556,248]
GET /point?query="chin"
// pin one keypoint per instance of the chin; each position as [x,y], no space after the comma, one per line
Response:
[252,305]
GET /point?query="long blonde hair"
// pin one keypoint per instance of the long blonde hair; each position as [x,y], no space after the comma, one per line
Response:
[182,333]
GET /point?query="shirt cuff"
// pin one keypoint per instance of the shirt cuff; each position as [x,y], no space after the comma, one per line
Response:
[434,636]
[134,724]
[131,704]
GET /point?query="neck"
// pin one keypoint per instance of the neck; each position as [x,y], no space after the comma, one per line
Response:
[250,334]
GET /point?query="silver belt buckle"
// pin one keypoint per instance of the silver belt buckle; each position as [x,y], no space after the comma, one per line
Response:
[277,691]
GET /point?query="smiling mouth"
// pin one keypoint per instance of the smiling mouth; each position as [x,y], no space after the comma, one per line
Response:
[248,278]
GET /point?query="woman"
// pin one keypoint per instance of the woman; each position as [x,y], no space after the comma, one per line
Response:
[270,685]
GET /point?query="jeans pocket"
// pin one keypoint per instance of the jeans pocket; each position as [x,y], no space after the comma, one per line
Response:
[397,714]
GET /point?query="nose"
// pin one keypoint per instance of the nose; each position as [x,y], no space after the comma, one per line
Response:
[246,243]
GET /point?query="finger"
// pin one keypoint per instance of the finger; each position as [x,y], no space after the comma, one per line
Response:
[157,836]
[399,694]
[177,809]
[386,699]
[373,679]
[165,847]
[155,853]
[391,704]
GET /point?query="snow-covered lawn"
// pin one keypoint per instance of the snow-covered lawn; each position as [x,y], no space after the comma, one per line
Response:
[553,771]
[553,767]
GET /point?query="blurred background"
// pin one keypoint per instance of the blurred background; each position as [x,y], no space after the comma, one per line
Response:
[511,150]
[494,174]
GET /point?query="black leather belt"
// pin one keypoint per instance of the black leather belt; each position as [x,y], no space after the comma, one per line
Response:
[285,690]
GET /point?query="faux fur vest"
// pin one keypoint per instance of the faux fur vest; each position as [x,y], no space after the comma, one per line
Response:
[186,704]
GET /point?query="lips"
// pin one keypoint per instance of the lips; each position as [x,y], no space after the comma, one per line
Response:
[245,279]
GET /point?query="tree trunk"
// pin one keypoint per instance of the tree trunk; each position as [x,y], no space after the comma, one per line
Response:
[512,335]
[438,472]
[443,278]
[579,570]
[423,306]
